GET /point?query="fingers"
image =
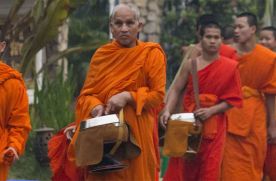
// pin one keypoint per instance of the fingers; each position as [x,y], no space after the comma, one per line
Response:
[14,152]
[69,132]
[100,112]
[163,119]
[108,109]
[112,107]
[202,114]
[10,155]
[163,122]
[97,111]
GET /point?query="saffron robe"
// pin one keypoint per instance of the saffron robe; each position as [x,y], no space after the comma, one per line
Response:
[228,51]
[246,143]
[14,114]
[140,70]
[219,81]
[270,163]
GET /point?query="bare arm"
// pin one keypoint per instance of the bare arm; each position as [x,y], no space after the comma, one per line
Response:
[271,122]
[174,92]
[205,113]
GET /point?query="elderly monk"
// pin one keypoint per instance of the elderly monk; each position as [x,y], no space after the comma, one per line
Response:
[267,38]
[219,90]
[14,116]
[247,127]
[130,74]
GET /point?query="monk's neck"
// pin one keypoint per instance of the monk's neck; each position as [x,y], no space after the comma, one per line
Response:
[209,57]
[247,46]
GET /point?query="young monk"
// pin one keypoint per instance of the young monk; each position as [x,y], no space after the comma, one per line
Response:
[219,89]
[247,126]
[224,49]
[228,35]
[14,116]
[130,74]
[267,38]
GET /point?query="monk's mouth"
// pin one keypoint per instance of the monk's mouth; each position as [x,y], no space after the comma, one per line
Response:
[236,37]
[124,36]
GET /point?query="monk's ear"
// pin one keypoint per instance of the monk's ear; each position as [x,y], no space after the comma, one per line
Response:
[140,26]
[254,29]
[2,46]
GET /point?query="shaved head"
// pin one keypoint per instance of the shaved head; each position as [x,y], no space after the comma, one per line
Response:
[132,8]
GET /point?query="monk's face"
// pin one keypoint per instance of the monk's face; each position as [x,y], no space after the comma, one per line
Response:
[242,30]
[125,27]
[211,40]
[267,39]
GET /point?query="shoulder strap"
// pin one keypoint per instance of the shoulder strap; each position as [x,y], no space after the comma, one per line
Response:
[120,133]
[195,82]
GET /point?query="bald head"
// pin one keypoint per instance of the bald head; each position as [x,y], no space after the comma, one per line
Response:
[124,7]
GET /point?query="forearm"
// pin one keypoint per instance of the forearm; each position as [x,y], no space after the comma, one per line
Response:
[270,108]
[220,107]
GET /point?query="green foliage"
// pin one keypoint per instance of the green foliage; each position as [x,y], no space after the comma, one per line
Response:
[53,103]
[41,23]
[88,24]
[46,23]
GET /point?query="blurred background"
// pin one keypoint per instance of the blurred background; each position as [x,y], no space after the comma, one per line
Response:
[51,43]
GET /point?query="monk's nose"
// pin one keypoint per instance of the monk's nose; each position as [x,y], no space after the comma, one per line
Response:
[124,27]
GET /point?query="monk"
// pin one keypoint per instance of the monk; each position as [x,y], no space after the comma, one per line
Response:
[267,38]
[228,35]
[224,50]
[14,116]
[219,90]
[246,143]
[129,74]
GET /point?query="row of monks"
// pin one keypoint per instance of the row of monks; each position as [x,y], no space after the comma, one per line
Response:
[237,87]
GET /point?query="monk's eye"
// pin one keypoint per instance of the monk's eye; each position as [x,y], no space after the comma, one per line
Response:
[130,23]
[118,23]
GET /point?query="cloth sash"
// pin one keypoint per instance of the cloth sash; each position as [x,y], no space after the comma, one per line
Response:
[241,119]
[248,92]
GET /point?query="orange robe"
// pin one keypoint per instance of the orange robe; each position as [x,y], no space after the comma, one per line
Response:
[246,139]
[14,114]
[140,70]
[270,163]
[228,51]
[218,82]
